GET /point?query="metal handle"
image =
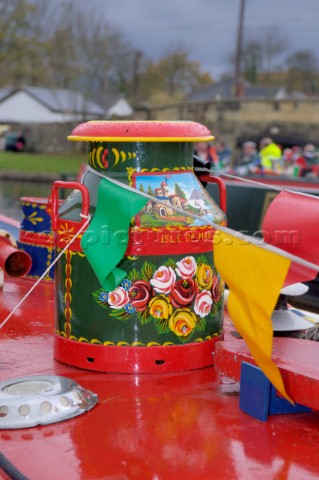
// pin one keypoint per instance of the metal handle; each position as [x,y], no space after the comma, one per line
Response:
[55,200]
[221,186]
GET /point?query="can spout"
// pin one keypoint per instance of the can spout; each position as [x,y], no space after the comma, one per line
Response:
[13,261]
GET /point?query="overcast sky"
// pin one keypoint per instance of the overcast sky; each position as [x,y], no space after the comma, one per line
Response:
[208,28]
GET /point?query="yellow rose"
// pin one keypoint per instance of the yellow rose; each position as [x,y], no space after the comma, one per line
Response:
[182,322]
[160,307]
[204,275]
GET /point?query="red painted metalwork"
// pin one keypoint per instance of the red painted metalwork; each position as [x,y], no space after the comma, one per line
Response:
[221,186]
[55,203]
[165,241]
[129,359]
[295,358]
[145,426]
[13,261]
[42,238]
[136,130]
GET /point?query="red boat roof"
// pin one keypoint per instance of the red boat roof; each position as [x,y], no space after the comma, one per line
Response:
[141,131]
[149,426]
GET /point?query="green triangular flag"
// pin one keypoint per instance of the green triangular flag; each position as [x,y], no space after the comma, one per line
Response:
[105,240]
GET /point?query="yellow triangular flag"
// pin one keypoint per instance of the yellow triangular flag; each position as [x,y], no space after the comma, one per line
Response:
[254,277]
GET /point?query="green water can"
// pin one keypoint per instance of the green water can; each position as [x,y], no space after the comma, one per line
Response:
[167,313]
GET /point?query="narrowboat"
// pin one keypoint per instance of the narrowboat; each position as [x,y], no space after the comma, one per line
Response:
[155,396]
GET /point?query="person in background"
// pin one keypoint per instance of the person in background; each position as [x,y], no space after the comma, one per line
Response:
[249,154]
[249,161]
[311,158]
[287,162]
[299,160]
[270,155]
[309,152]
[224,154]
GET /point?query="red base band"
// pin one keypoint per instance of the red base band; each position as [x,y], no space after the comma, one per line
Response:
[125,359]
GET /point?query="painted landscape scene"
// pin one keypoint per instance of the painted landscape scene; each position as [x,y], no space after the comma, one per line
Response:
[174,190]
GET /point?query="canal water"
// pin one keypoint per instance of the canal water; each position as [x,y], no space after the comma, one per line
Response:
[12,190]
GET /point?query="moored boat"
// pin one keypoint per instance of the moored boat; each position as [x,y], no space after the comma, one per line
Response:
[146,425]
[248,199]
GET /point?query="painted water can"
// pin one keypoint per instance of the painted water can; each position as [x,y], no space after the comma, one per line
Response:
[166,314]
[36,236]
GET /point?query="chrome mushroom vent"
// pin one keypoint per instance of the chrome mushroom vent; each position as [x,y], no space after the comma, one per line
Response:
[41,400]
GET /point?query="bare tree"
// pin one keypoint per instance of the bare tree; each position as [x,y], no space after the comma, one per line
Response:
[252,60]
[275,45]
[302,71]
[174,74]
[259,55]
[21,43]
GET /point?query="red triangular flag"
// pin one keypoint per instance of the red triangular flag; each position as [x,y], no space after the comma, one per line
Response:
[292,224]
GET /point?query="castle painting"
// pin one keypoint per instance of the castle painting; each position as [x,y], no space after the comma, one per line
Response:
[179,190]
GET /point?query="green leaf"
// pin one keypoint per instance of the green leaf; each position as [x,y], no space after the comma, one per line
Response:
[144,317]
[102,304]
[148,271]
[133,275]
[202,259]
[186,339]
[97,293]
[170,263]
[120,314]
[161,326]
[217,306]
[200,325]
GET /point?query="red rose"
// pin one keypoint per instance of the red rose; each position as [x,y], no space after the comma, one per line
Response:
[139,293]
[216,288]
[183,292]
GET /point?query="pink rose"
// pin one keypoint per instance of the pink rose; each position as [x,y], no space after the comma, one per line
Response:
[163,279]
[118,298]
[186,268]
[203,303]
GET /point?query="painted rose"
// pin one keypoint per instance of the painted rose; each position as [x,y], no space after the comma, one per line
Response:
[163,279]
[182,322]
[183,292]
[186,268]
[204,275]
[203,303]
[160,307]
[139,294]
[217,288]
[118,298]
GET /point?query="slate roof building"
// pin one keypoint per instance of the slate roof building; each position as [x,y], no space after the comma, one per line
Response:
[45,105]
[56,105]
[226,90]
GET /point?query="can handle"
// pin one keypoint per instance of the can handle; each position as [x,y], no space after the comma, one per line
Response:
[221,186]
[55,200]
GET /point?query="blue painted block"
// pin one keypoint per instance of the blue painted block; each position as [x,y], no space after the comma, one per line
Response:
[279,405]
[254,392]
[258,396]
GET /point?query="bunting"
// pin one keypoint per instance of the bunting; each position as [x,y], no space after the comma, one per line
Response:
[106,238]
[291,224]
[254,277]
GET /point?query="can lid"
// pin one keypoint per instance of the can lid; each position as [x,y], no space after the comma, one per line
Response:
[41,400]
[141,131]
